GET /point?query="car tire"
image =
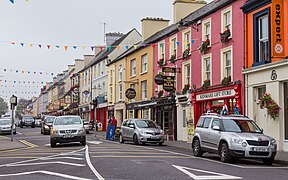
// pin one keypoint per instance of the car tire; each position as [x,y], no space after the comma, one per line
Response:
[196,147]
[135,139]
[224,153]
[160,144]
[87,132]
[268,161]
[52,143]
[41,131]
[121,140]
[21,126]
[83,142]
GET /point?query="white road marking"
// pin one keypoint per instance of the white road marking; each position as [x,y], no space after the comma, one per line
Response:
[19,133]
[74,158]
[41,163]
[206,177]
[95,142]
[91,166]
[45,172]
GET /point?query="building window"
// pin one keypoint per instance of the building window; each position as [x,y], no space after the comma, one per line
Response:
[187,40]
[226,62]
[111,76]
[111,94]
[133,67]
[120,72]
[260,91]
[162,50]
[186,75]
[131,114]
[207,68]
[144,63]
[146,114]
[144,90]
[227,19]
[173,47]
[120,92]
[133,86]
[261,37]
[206,32]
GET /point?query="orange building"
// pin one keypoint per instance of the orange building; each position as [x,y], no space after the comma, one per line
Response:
[266,66]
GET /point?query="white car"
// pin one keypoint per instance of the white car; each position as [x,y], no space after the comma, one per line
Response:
[5,126]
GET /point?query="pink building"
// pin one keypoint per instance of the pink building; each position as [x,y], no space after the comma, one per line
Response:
[209,53]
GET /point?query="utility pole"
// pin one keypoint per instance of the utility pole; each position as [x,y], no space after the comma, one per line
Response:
[13,102]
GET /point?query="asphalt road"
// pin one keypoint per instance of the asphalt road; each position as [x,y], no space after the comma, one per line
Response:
[102,159]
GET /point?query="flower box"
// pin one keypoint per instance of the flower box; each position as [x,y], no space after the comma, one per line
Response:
[185,88]
[186,53]
[205,84]
[161,62]
[226,80]
[173,58]
[160,93]
[204,46]
[225,35]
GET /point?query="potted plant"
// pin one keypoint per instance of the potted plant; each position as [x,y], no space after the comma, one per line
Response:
[161,62]
[185,88]
[205,84]
[225,35]
[204,46]
[272,107]
[186,53]
[226,80]
[173,58]
[160,93]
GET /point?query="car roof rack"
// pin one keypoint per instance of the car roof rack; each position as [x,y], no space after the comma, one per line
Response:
[212,114]
[238,115]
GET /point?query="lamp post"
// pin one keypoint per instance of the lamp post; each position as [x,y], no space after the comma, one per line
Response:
[13,102]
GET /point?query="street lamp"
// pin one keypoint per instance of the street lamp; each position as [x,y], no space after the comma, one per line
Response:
[13,102]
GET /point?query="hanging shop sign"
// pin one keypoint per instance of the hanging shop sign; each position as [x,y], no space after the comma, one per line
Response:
[217,94]
[277,22]
[168,84]
[159,79]
[169,69]
[130,93]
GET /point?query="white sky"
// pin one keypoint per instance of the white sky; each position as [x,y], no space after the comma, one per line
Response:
[61,22]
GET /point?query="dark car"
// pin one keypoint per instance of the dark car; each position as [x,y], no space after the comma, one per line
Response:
[27,120]
[47,124]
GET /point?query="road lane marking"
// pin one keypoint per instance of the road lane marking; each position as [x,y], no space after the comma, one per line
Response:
[74,158]
[41,163]
[127,152]
[28,143]
[90,164]
[19,133]
[45,172]
[156,157]
[206,177]
[94,142]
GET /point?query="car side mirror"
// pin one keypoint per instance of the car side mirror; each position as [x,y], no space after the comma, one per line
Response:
[262,130]
[216,128]
[131,126]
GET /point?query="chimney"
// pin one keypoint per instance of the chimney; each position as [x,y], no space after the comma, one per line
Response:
[88,59]
[152,25]
[182,8]
[112,37]
[79,64]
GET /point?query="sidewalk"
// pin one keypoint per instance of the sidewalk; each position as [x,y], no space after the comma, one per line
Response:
[281,156]
[7,144]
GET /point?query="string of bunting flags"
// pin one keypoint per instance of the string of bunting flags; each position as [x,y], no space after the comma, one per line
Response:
[19,82]
[13,1]
[6,70]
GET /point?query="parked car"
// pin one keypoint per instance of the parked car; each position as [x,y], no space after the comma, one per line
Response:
[38,122]
[232,137]
[87,126]
[47,124]
[27,120]
[141,130]
[5,126]
[67,129]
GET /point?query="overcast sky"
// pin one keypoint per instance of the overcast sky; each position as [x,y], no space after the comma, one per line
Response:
[61,22]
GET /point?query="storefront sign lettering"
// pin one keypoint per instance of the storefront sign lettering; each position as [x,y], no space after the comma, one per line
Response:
[168,84]
[130,93]
[168,69]
[273,75]
[277,29]
[217,94]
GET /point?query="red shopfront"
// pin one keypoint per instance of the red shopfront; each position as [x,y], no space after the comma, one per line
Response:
[215,98]
[102,110]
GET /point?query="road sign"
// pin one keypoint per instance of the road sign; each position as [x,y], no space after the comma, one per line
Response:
[168,84]
[159,79]
[130,93]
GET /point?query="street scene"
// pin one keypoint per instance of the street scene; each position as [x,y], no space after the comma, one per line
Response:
[179,89]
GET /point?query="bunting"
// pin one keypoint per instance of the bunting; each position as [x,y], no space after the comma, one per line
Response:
[17,71]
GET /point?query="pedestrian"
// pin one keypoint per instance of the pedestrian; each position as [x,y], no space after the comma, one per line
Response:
[114,122]
[224,110]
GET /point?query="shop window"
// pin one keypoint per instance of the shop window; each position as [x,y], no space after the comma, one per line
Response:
[260,91]
[261,37]
[207,122]
[131,113]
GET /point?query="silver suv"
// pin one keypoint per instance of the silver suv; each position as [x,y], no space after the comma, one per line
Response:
[232,137]
[141,130]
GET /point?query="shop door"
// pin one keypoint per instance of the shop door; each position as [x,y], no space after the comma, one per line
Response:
[168,122]
[286,109]
[184,127]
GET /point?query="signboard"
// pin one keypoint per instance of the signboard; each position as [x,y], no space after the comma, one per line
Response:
[168,84]
[217,94]
[168,69]
[159,79]
[130,93]
[277,28]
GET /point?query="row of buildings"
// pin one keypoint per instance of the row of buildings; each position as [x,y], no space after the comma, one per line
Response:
[223,54]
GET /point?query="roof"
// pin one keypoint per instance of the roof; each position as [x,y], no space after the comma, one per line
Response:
[252,5]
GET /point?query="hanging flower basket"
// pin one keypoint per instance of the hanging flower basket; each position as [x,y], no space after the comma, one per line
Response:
[186,53]
[204,46]
[206,84]
[185,88]
[173,58]
[225,35]
[272,107]
[160,93]
[161,62]
[226,80]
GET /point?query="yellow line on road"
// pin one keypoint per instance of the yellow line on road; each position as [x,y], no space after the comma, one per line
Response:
[12,150]
[19,157]
[28,143]
[156,157]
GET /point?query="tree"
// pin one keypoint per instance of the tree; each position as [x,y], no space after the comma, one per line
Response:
[20,108]
[3,107]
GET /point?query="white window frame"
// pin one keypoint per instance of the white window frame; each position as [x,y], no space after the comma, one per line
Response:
[184,73]
[120,72]
[184,41]
[266,39]
[120,88]
[204,34]
[144,94]
[223,25]
[223,61]
[204,67]
[143,63]
[161,54]
[172,49]
[133,68]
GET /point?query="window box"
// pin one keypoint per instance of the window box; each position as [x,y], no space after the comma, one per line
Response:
[206,84]
[160,93]
[186,53]
[173,58]
[185,88]
[161,62]
[204,46]
[226,80]
[225,35]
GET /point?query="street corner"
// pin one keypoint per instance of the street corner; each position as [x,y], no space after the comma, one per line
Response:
[8,145]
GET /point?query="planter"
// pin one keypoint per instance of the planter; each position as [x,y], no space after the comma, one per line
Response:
[161,62]
[272,107]
[186,54]
[160,94]
[185,89]
[225,35]
[206,84]
[204,46]
[173,58]
[226,80]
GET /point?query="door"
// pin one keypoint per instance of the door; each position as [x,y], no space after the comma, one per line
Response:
[125,129]
[214,135]
[130,130]
[286,109]
[184,128]
[205,132]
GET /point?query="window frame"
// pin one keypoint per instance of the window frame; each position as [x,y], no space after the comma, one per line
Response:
[207,118]
[142,90]
[184,41]
[120,87]
[204,33]
[133,68]
[145,64]
[184,74]
[161,54]
[256,18]
[204,67]
[173,50]
[223,61]
[120,72]
[223,26]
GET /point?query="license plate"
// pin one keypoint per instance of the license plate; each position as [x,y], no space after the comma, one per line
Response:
[154,137]
[68,136]
[260,149]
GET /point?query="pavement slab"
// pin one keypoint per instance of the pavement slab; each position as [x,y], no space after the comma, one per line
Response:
[7,144]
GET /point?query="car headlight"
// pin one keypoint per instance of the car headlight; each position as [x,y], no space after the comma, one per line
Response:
[82,130]
[46,127]
[54,131]
[161,132]
[142,132]
[274,142]
[236,140]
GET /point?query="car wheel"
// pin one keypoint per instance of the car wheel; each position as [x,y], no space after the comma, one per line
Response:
[21,126]
[224,153]
[87,132]
[52,143]
[135,139]
[83,142]
[268,161]
[41,131]
[196,147]
[160,144]
[121,140]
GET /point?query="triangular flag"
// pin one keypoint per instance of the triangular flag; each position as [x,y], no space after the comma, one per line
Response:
[31,45]
[177,43]
[118,47]
[92,48]
[74,47]
[12,1]
[169,44]
[16,71]
[48,46]
[127,47]
[153,45]
[39,45]
[57,46]
[193,41]
[65,47]
[52,74]
[109,47]
[135,46]
[22,44]
[161,45]
[13,43]
[83,47]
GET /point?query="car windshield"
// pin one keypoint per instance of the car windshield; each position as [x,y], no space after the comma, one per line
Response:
[145,124]
[239,125]
[49,119]
[5,121]
[67,121]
